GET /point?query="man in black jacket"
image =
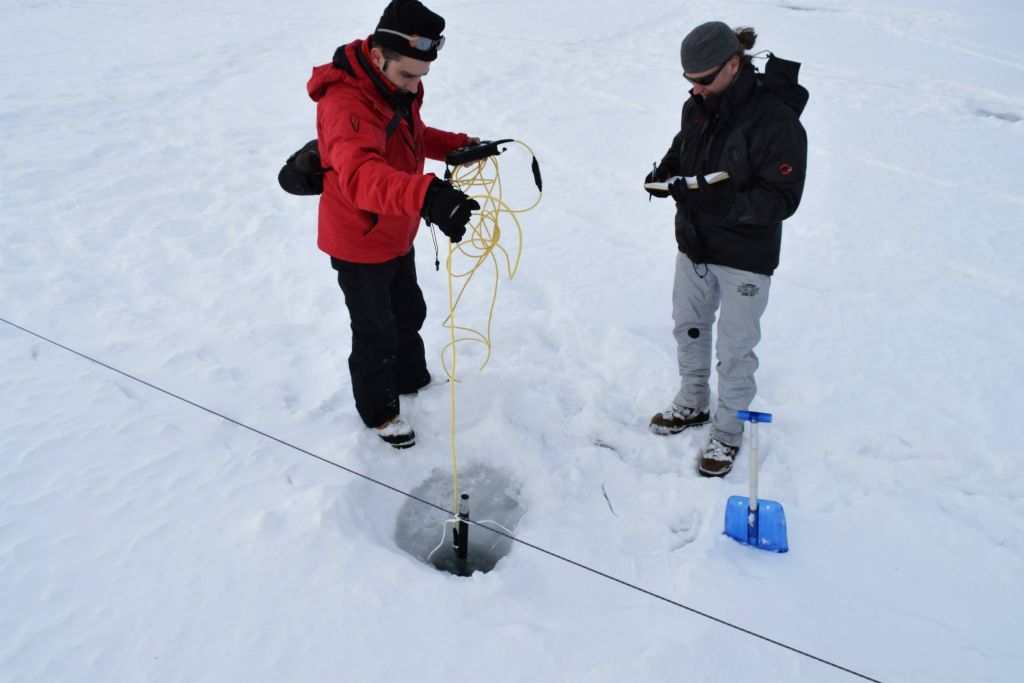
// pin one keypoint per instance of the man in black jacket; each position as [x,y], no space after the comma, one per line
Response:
[728,232]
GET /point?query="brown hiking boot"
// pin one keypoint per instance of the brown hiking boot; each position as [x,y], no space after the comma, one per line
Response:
[717,459]
[676,418]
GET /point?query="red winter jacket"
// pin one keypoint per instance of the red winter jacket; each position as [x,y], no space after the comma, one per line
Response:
[374,188]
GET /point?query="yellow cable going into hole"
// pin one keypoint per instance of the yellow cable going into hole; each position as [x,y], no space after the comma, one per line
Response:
[481,180]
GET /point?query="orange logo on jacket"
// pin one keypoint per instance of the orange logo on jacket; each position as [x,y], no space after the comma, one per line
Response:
[786,169]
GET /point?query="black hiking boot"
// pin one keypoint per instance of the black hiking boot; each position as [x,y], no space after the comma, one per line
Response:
[397,433]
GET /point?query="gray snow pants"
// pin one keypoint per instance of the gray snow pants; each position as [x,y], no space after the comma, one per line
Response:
[743,297]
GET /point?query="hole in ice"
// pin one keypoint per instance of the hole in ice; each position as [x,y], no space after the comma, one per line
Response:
[493,500]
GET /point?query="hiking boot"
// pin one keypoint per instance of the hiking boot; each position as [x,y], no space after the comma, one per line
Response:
[717,459]
[397,433]
[676,418]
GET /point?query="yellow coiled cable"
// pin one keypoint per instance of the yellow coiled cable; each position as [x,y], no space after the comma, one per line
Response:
[481,180]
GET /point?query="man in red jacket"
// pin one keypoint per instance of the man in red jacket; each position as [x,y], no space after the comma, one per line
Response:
[372,144]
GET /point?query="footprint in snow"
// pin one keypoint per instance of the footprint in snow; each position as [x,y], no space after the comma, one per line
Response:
[685,529]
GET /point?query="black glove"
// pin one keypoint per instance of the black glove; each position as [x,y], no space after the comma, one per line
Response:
[307,159]
[712,200]
[653,177]
[448,209]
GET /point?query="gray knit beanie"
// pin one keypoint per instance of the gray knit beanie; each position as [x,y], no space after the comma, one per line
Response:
[707,46]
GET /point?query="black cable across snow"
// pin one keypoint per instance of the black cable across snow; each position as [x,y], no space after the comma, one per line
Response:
[512,538]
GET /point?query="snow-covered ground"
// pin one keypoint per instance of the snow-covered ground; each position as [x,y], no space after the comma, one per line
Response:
[141,224]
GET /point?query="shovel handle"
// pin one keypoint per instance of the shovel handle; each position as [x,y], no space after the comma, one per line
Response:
[754,418]
[753,466]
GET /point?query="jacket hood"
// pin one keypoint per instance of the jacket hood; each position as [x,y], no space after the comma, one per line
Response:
[327,75]
[780,81]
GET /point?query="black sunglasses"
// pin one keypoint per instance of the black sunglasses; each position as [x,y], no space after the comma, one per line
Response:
[710,78]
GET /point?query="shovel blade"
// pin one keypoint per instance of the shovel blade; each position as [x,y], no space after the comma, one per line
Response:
[764,529]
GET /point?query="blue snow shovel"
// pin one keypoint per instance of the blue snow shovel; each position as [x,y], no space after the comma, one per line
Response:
[760,523]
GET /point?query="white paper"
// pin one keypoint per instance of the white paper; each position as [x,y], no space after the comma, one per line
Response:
[691,181]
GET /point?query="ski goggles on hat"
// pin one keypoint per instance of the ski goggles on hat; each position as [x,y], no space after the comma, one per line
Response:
[710,78]
[418,42]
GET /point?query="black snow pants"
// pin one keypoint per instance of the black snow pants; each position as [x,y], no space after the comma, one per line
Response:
[387,310]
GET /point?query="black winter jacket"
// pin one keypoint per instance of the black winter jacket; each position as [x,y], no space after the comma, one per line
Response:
[752,131]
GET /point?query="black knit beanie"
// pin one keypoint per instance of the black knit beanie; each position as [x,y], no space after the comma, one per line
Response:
[411,18]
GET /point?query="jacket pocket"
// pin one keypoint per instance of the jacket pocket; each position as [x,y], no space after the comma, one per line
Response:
[736,160]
